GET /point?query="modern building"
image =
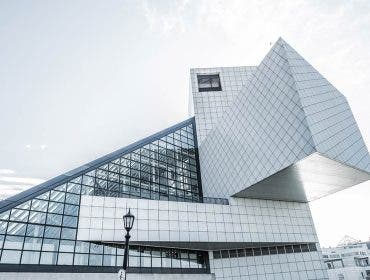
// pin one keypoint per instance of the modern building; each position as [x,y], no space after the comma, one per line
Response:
[348,261]
[222,195]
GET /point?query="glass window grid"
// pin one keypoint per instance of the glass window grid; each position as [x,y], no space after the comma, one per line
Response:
[43,230]
[147,171]
[266,250]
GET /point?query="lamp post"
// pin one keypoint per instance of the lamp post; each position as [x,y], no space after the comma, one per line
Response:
[128,222]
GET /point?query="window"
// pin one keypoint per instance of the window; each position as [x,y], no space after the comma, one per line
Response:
[209,82]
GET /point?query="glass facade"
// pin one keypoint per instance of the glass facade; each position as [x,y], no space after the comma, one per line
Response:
[43,229]
[165,169]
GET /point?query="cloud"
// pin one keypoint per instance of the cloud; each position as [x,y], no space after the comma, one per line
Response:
[11,185]
[6,172]
[10,190]
[21,180]
[166,17]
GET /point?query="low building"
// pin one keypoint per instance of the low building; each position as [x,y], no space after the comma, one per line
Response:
[349,260]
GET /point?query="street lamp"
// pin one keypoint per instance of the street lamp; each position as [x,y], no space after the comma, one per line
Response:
[128,222]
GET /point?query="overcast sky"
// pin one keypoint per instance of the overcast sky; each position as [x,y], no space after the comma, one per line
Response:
[79,79]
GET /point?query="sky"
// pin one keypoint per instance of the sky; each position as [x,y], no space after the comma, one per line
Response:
[79,79]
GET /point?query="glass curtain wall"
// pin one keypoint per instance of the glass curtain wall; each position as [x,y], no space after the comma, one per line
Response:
[43,230]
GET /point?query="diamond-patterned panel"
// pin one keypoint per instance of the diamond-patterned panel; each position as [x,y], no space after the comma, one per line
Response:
[210,105]
[333,127]
[283,113]
[263,131]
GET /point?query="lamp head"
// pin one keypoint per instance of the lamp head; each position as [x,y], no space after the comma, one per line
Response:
[128,220]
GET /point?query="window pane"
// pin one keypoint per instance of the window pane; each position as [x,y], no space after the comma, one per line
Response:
[13,242]
[109,260]
[82,247]
[3,226]
[72,198]
[55,207]
[52,232]
[109,250]
[145,261]
[96,260]
[66,246]
[39,205]
[50,245]
[10,256]
[37,217]
[19,215]
[16,229]
[57,196]
[156,262]
[96,248]
[5,215]
[73,188]
[134,261]
[81,259]
[65,259]
[69,221]
[54,219]
[71,210]
[30,257]
[68,233]
[31,243]
[48,258]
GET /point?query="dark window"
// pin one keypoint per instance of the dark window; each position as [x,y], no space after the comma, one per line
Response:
[209,82]
[281,250]
[257,251]
[312,247]
[273,251]
[233,254]
[249,252]
[216,254]
[265,250]
[288,249]
[241,253]
[225,254]
[296,248]
[304,247]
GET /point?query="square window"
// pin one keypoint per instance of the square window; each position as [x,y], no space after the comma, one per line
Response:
[29,257]
[48,258]
[68,233]
[209,82]
[95,260]
[52,232]
[9,256]
[13,242]
[65,259]
[31,243]
[81,259]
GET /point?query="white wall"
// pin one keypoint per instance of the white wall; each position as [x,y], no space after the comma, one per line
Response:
[210,105]
[296,266]
[349,273]
[244,220]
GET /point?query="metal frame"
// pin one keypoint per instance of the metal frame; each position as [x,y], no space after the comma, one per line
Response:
[50,184]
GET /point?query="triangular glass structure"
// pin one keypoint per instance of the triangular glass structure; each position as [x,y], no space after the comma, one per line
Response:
[39,227]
